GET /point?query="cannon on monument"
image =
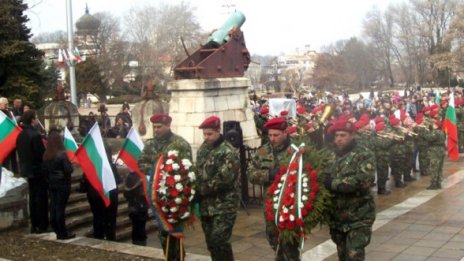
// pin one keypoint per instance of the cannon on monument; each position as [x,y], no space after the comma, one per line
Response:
[224,55]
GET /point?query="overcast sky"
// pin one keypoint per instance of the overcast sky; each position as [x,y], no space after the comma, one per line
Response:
[272,27]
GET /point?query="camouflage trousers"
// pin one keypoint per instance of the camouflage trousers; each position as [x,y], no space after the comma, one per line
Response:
[382,170]
[218,230]
[284,251]
[461,137]
[437,156]
[424,161]
[173,253]
[397,166]
[408,166]
[351,244]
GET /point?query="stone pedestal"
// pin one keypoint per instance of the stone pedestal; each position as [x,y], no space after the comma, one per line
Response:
[61,114]
[193,100]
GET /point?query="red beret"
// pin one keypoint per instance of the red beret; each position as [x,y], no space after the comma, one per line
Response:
[433,113]
[264,110]
[379,119]
[342,125]
[443,102]
[402,115]
[212,122]
[425,109]
[317,109]
[161,118]
[284,113]
[361,123]
[394,121]
[291,129]
[300,109]
[379,126]
[434,107]
[364,117]
[278,123]
[419,118]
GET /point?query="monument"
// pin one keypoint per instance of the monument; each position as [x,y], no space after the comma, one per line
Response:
[210,82]
[60,112]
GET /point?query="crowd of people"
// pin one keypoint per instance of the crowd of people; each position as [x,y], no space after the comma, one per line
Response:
[370,141]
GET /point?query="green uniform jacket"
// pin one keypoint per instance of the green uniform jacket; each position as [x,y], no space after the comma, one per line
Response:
[352,175]
[154,148]
[218,178]
[265,159]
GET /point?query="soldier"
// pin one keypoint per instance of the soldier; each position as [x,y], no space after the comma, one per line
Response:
[349,178]
[264,167]
[397,152]
[163,142]
[382,145]
[436,154]
[218,186]
[422,144]
[261,119]
[460,123]
[410,143]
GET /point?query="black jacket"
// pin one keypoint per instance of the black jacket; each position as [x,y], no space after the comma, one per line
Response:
[30,151]
[58,170]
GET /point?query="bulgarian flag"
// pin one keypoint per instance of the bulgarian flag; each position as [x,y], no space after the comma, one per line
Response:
[77,54]
[449,127]
[60,57]
[70,145]
[94,162]
[9,131]
[130,154]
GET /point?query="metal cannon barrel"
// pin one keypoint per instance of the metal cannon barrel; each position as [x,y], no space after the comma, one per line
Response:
[220,36]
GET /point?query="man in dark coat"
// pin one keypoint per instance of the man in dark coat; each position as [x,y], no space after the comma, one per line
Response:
[30,149]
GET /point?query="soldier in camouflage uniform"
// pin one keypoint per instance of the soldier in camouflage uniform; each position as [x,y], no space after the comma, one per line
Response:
[264,167]
[218,187]
[410,144]
[382,145]
[349,178]
[398,153]
[261,119]
[163,142]
[422,129]
[436,153]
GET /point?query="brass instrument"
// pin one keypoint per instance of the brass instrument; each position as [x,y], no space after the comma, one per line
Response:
[390,136]
[407,131]
[328,111]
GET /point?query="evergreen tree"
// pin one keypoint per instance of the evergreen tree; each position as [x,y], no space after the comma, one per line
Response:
[22,70]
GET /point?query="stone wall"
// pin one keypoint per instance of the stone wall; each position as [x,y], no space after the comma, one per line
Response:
[193,100]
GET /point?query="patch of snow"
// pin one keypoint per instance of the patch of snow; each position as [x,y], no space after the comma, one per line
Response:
[8,182]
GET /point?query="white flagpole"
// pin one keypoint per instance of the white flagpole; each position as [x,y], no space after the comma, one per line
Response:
[72,71]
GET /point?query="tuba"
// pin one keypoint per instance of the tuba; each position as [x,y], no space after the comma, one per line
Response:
[328,111]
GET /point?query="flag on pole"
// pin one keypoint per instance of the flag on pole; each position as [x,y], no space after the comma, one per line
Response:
[130,153]
[450,128]
[77,54]
[60,57]
[9,131]
[94,162]
[437,97]
[70,145]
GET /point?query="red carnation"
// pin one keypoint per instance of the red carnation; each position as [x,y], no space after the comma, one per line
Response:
[308,166]
[315,188]
[270,217]
[172,204]
[170,181]
[282,170]
[287,200]
[293,166]
[187,191]
[168,168]
[173,193]
[312,195]
[304,212]
[183,170]
[185,202]
[299,222]
[172,156]
[308,205]
[290,225]
[281,225]
[182,210]
[313,174]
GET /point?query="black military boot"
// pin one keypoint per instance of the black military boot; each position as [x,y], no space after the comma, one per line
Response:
[409,178]
[383,191]
[423,173]
[400,184]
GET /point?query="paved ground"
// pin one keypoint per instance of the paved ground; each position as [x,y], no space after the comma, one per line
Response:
[412,224]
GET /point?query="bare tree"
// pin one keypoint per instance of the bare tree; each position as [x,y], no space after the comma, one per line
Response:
[156,33]
[53,37]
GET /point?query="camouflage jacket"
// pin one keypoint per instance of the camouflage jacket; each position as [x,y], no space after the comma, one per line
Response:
[154,148]
[265,159]
[382,146]
[422,143]
[366,139]
[460,118]
[352,175]
[218,178]
[398,148]
[435,138]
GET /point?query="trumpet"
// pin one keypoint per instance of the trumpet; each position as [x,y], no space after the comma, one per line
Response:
[390,136]
[407,131]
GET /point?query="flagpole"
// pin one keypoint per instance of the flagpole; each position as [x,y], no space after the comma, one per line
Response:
[72,71]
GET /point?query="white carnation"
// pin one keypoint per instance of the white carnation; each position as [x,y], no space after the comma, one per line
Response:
[178,200]
[173,152]
[192,191]
[171,220]
[277,191]
[175,166]
[305,179]
[191,176]
[285,210]
[279,185]
[281,218]
[283,177]
[305,185]
[304,198]
[169,162]
[174,209]
[276,206]
[164,209]
[276,198]
[185,215]
[186,163]
[179,187]
[305,190]
[292,217]
[292,195]
[191,197]
[177,177]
